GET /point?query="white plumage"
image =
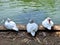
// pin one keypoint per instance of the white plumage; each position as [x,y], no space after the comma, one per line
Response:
[10,25]
[46,23]
[32,28]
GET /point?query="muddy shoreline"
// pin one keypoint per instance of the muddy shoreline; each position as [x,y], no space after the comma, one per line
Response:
[23,38]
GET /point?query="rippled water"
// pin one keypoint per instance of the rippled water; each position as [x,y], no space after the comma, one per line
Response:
[21,11]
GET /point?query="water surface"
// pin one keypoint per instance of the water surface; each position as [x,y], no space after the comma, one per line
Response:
[21,11]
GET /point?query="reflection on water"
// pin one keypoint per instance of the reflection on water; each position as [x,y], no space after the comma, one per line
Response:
[22,10]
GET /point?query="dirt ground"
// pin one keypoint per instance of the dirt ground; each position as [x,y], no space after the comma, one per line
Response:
[23,38]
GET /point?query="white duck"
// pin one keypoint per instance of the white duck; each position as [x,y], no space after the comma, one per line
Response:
[9,24]
[47,23]
[32,27]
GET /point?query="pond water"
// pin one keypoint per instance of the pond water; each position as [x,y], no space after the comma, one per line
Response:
[21,11]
